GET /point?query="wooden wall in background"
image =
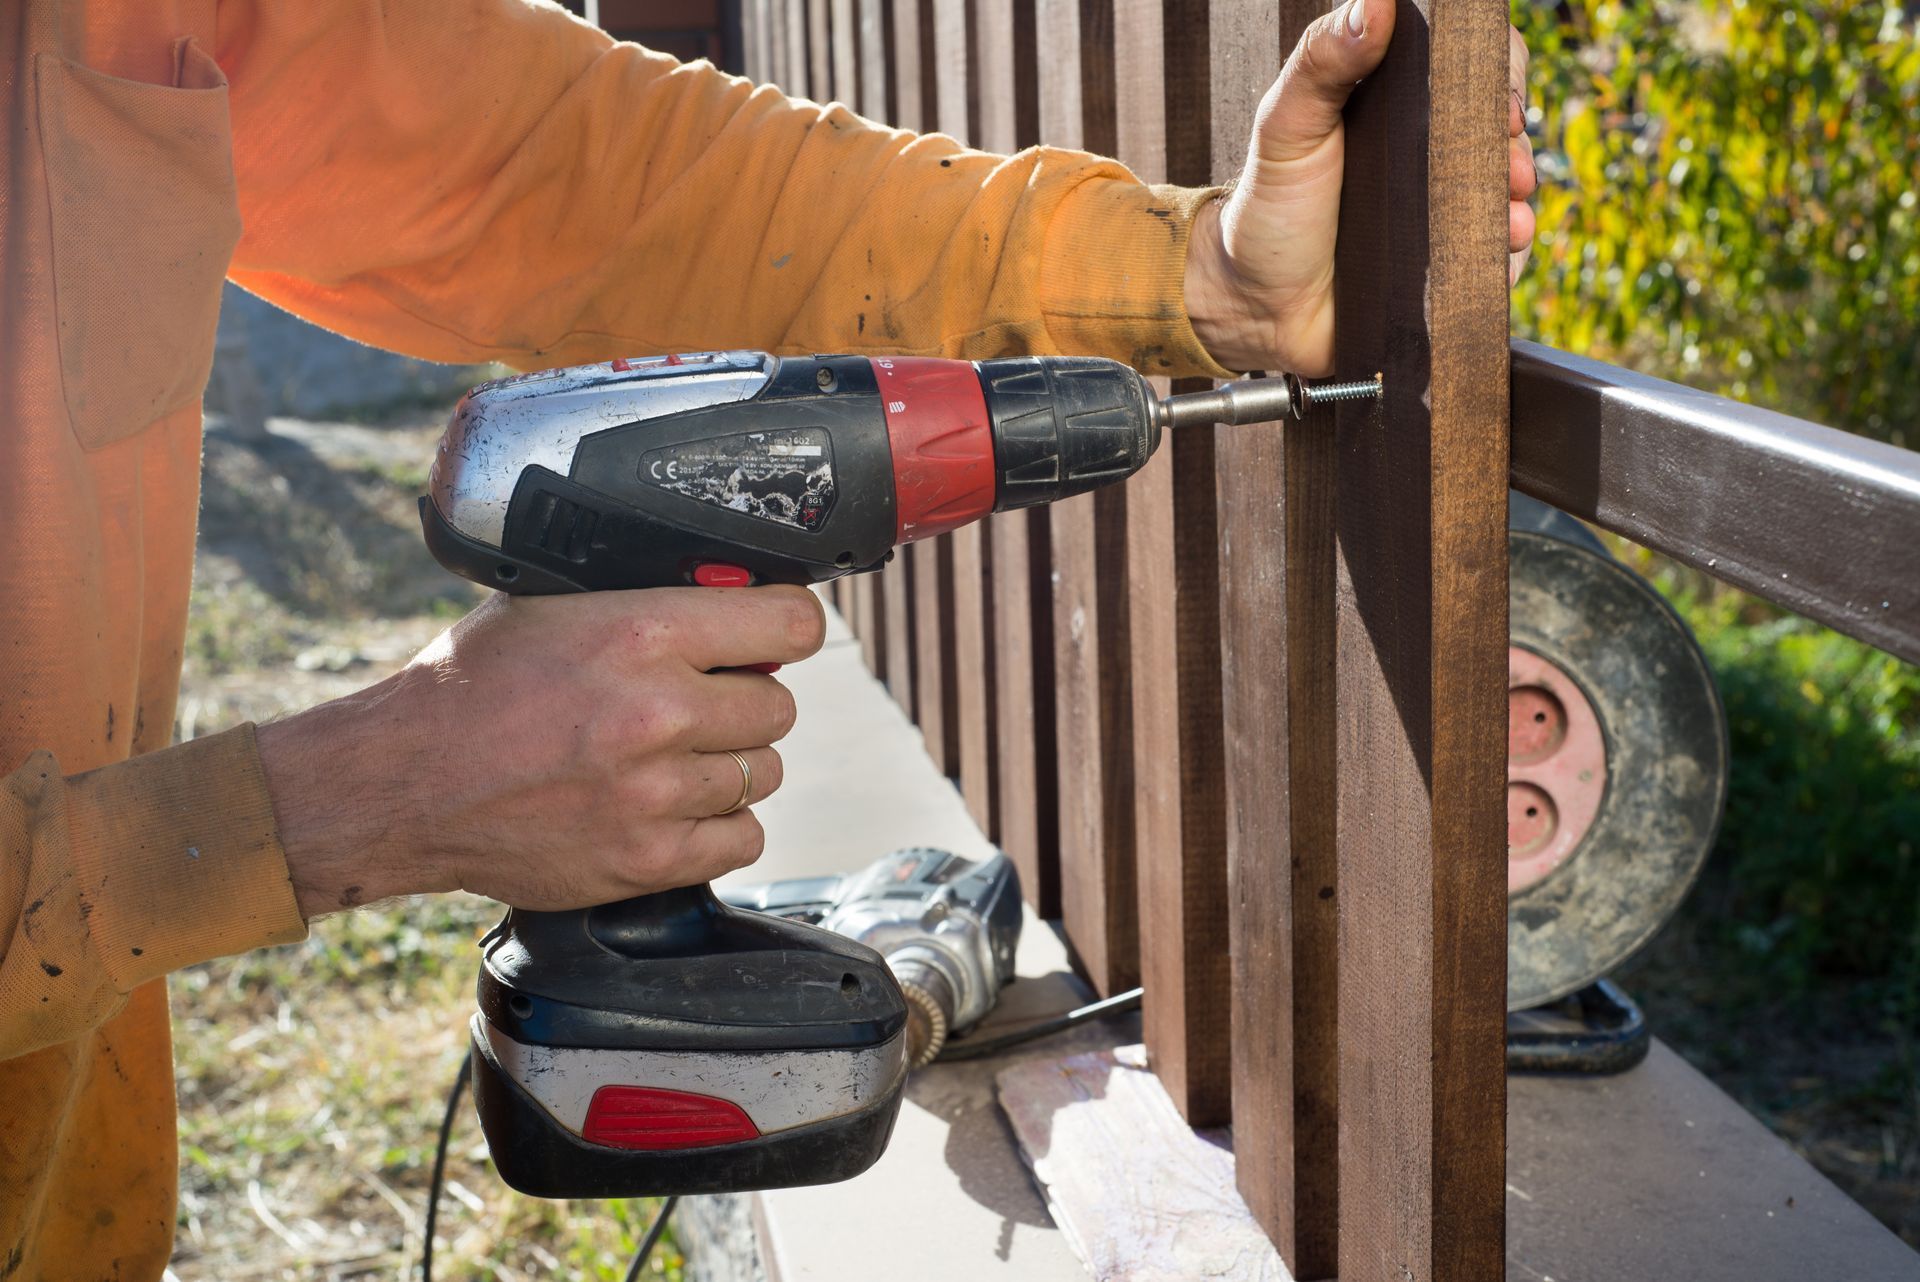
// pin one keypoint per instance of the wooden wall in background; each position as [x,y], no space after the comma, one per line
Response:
[1255,695]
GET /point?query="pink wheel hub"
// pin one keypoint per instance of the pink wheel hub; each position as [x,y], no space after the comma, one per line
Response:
[1556,767]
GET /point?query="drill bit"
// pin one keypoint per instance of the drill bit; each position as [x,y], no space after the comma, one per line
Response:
[1261,400]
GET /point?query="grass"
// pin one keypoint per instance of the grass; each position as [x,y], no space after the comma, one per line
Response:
[1792,974]
[311,1080]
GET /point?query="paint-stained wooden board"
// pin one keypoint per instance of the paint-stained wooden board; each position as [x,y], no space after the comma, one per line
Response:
[1140,1195]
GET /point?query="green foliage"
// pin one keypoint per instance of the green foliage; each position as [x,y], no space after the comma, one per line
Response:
[1817,871]
[1728,199]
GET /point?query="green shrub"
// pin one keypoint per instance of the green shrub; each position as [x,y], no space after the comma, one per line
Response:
[1729,199]
[1817,871]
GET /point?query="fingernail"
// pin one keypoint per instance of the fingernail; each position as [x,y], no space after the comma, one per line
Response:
[1357,18]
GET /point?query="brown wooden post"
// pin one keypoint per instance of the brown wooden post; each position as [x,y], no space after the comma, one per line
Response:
[1160,69]
[1093,708]
[1420,654]
[912,52]
[1276,491]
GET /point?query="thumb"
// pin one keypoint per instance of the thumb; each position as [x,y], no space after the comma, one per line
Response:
[1304,106]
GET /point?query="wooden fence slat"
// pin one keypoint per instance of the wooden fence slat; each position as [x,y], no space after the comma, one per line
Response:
[909,50]
[897,630]
[845,46]
[1020,614]
[754,30]
[1093,710]
[876,59]
[913,104]
[1173,565]
[933,645]
[1420,656]
[1276,491]
[819,21]
[793,60]
[970,617]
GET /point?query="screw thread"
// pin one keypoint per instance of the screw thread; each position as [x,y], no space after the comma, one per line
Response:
[1365,390]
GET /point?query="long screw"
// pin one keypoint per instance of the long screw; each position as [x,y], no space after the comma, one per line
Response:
[1312,394]
[1261,400]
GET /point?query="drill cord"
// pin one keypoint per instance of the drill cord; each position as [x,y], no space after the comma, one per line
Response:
[979,1048]
[647,1243]
[440,1164]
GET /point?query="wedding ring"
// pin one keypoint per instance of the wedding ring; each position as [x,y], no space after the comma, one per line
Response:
[746,783]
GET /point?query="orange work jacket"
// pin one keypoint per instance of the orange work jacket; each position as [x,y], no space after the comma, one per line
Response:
[461,180]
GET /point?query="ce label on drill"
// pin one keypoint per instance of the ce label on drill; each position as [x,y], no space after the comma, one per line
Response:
[784,476]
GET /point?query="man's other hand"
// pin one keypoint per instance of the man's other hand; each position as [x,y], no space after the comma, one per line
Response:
[1260,269]
[547,752]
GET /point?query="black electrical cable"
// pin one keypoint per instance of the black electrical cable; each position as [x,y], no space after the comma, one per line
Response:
[440,1164]
[648,1242]
[972,1048]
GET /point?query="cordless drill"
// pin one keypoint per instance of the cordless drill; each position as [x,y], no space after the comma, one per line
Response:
[672,1044]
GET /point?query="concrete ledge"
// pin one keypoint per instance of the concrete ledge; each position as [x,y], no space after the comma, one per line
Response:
[1651,1175]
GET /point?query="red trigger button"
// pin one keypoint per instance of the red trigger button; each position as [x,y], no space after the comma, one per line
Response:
[718,574]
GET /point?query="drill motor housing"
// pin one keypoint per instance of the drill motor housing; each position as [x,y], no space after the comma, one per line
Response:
[637,473]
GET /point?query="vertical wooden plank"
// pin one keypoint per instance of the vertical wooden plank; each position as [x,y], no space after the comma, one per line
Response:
[969,600]
[913,105]
[933,647]
[845,39]
[912,78]
[1093,707]
[1004,72]
[957,108]
[1020,613]
[1421,635]
[897,631]
[755,25]
[1173,567]
[819,49]
[1276,491]
[793,21]
[876,58]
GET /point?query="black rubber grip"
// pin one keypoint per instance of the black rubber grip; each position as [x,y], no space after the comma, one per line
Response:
[1063,425]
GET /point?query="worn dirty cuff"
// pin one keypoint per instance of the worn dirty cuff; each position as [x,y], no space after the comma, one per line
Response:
[1113,278]
[178,858]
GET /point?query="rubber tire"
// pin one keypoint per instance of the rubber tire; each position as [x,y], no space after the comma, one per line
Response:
[1666,737]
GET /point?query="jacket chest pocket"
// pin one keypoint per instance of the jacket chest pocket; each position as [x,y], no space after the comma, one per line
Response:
[144,220]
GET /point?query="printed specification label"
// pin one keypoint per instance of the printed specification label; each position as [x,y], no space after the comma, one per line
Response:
[784,476]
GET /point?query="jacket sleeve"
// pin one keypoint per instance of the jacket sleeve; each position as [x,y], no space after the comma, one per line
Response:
[472,180]
[108,875]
